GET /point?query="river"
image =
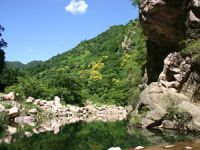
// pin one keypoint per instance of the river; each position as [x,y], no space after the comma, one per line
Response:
[95,135]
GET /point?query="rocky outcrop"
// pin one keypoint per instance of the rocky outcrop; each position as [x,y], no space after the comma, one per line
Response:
[162,102]
[176,71]
[193,20]
[157,104]
[164,21]
[167,23]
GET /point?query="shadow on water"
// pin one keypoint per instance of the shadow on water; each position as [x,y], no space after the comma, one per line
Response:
[96,135]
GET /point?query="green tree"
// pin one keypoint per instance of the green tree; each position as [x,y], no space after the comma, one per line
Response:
[9,76]
[3,44]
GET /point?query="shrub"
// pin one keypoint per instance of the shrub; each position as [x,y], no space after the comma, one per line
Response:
[180,116]
[136,120]
[3,122]
[191,47]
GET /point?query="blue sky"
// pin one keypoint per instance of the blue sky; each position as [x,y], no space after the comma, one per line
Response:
[40,29]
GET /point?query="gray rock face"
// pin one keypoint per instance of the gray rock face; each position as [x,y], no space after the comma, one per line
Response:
[176,71]
[177,85]
[156,100]
[167,23]
[193,22]
[163,20]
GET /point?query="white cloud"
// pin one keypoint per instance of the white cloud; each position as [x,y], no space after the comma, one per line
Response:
[77,7]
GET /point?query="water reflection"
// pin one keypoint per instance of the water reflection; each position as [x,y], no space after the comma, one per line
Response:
[84,135]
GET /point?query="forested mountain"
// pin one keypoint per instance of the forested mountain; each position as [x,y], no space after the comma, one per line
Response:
[15,64]
[27,67]
[105,69]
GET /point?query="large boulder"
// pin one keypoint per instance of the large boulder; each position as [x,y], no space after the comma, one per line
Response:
[155,103]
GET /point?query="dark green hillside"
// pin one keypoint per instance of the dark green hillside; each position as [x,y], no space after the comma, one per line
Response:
[15,64]
[99,70]
[29,67]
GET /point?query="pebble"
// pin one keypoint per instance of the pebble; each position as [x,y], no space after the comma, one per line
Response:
[169,146]
[188,147]
[114,148]
[28,134]
[139,148]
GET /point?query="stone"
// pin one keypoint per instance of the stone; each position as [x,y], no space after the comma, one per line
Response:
[178,77]
[193,18]
[25,119]
[42,102]
[10,96]
[33,111]
[13,112]
[37,101]
[57,102]
[169,146]
[56,128]
[41,130]
[8,139]
[35,131]
[114,148]
[139,148]
[47,127]
[28,134]
[12,130]
[30,99]
[188,147]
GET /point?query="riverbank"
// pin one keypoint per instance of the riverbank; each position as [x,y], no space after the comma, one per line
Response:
[32,109]
[40,116]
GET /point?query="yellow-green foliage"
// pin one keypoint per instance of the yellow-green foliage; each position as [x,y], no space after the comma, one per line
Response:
[95,75]
[96,67]
[125,59]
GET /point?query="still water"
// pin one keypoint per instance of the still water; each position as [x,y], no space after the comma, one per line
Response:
[96,135]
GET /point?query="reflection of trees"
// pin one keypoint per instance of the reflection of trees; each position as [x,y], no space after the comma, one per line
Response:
[157,136]
[79,136]
[94,136]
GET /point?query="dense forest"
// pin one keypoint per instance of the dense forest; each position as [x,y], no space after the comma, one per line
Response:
[105,69]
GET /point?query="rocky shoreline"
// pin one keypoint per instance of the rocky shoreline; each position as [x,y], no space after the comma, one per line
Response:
[52,115]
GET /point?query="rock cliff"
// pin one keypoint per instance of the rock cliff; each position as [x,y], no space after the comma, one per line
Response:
[173,77]
[167,23]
